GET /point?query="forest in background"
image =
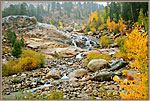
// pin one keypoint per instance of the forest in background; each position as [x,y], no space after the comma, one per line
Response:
[56,11]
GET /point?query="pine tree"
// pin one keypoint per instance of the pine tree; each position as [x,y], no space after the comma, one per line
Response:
[17,49]
[13,39]
[22,41]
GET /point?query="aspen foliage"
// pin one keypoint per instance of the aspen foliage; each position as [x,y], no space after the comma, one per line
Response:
[136,49]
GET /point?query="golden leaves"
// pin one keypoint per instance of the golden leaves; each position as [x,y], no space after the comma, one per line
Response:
[136,50]
[60,23]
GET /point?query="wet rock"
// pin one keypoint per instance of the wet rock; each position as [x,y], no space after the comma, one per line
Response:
[14,76]
[78,73]
[114,45]
[73,79]
[90,33]
[106,76]
[53,74]
[117,65]
[97,64]
[34,84]
[23,75]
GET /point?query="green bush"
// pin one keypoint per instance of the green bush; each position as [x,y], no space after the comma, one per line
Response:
[87,28]
[36,55]
[22,41]
[28,63]
[120,40]
[10,68]
[11,37]
[17,49]
[105,41]
[28,60]
[104,26]
[17,80]
[96,55]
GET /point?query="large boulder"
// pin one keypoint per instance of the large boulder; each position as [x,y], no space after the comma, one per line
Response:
[55,74]
[97,64]
[19,23]
[51,31]
[78,73]
[65,52]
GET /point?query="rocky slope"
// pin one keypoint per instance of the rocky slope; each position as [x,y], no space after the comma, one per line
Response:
[67,73]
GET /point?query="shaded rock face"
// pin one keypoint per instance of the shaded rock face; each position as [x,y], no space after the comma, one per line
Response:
[78,73]
[19,23]
[104,76]
[53,74]
[97,64]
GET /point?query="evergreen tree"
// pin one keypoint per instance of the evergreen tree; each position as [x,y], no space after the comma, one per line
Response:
[13,40]
[22,41]
[16,49]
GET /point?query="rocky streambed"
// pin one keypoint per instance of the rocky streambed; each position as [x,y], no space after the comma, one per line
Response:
[68,73]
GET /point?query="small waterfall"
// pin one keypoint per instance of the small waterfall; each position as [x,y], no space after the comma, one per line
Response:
[79,55]
[74,43]
[88,44]
[65,77]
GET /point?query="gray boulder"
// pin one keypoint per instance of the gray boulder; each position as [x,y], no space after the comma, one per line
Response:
[97,64]
[53,74]
[78,73]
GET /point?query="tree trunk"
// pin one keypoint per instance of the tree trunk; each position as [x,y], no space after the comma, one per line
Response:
[132,12]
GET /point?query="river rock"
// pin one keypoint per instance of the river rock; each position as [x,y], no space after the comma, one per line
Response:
[104,76]
[53,74]
[97,64]
[69,29]
[90,33]
[78,73]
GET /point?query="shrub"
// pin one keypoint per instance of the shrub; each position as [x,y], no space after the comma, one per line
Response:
[96,55]
[87,28]
[10,68]
[7,50]
[120,40]
[35,55]
[11,37]
[16,49]
[29,60]
[16,80]
[137,50]
[28,63]
[22,41]
[102,26]
[93,29]
[105,41]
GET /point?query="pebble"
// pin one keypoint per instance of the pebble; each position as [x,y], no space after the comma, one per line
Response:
[23,75]
[81,88]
